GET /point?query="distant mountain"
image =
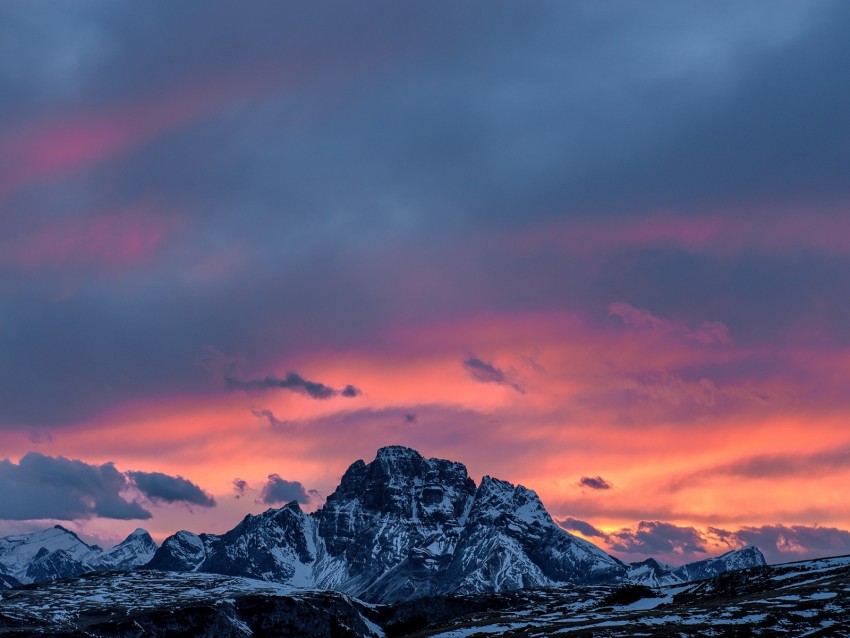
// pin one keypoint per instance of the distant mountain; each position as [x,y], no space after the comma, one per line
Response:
[653,574]
[398,528]
[743,558]
[403,527]
[59,553]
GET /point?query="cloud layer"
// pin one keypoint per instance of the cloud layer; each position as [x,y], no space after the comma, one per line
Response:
[278,490]
[573,240]
[47,487]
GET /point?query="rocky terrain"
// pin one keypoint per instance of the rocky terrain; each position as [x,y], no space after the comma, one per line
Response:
[810,598]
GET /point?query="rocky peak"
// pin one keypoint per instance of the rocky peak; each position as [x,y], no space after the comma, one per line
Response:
[498,500]
[403,483]
[134,551]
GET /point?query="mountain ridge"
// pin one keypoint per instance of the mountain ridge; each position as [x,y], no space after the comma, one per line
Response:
[400,527]
[404,526]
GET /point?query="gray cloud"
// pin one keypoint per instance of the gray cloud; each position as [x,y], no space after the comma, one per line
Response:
[163,488]
[40,486]
[595,483]
[268,416]
[784,543]
[278,490]
[771,466]
[778,543]
[240,486]
[657,537]
[583,527]
[350,391]
[292,381]
[486,372]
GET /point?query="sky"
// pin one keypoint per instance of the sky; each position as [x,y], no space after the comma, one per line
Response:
[596,248]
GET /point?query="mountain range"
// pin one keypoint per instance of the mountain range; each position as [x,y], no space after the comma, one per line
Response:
[399,528]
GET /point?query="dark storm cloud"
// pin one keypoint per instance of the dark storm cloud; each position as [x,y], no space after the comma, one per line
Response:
[162,488]
[42,486]
[595,483]
[657,537]
[586,529]
[289,140]
[278,490]
[486,372]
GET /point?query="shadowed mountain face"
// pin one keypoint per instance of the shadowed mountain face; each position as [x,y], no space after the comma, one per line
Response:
[404,527]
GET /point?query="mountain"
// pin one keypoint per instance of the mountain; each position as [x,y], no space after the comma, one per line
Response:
[404,527]
[743,558]
[808,598]
[58,552]
[134,551]
[651,573]
[398,528]
[46,555]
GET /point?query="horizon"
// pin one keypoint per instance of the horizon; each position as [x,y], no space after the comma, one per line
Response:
[596,249]
[564,525]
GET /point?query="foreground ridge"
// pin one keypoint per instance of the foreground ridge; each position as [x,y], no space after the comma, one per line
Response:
[805,598]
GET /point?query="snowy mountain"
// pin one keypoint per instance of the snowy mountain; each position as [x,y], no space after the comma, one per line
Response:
[743,558]
[654,574]
[59,553]
[134,551]
[398,528]
[403,527]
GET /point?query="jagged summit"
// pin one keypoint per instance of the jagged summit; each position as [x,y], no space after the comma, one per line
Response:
[399,527]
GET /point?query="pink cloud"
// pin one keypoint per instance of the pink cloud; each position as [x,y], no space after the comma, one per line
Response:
[56,147]
[723,232]
[120,240]
[707,333]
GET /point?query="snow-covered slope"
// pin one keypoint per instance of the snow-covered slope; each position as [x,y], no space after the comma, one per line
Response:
[59,553]
[45,555]
[743,558]
[134,551]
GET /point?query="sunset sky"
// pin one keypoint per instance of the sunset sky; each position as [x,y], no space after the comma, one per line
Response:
[601,249]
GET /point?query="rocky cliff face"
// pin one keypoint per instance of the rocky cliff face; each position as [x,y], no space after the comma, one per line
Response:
[401,527]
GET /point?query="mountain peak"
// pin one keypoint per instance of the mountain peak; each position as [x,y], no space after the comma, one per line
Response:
[393,452]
